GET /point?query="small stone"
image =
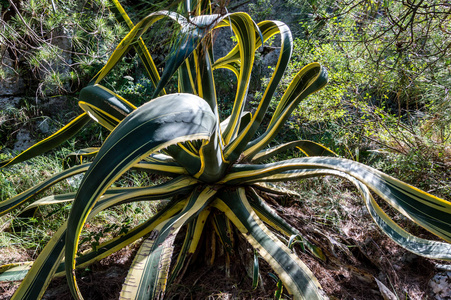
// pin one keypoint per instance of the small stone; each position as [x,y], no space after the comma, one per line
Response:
[44,126]
[23,141]
[441,286]
[9,102]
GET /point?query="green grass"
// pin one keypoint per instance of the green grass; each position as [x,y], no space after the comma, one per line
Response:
[22,238]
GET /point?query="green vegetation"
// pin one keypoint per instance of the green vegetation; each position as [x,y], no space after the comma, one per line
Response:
[388,89]
[212,172]
[57,45]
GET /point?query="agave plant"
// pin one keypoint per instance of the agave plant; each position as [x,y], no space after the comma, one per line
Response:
[216,166]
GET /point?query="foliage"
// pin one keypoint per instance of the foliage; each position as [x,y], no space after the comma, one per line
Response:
[216,167]
[260,10]
[59,43]
[390,72]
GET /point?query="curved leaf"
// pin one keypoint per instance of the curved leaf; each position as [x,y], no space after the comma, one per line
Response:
[243,27]
[189,160]
[419,246]
[48,262]
[430,212]
[7,205]
[130,39]
[309,148]
[141,49]
[51,142]
[268,28]
[297,278]
[104,106]
[192,33]
[422,247]
[310,79]
[211,152]
[40,274]
[162,122]
[270,217]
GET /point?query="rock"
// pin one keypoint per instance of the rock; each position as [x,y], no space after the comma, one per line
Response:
[222,42]
[270,56]
[44,126]
[11,83]
[54,105]
[23,141]
[441,286]
[9,102]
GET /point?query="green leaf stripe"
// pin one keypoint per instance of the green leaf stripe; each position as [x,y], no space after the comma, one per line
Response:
[193,234]
[104,106]
[310,79]
[255,271]
[269,28]
[48,262]
[164,121]
[222,227]
[151,266]
[243,27]
[419,246]
[297,278]
[270,217]
[432,213]
[141,49]
[309,148]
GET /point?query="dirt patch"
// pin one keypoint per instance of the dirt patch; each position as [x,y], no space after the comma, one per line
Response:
[7,289]
[101,281]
